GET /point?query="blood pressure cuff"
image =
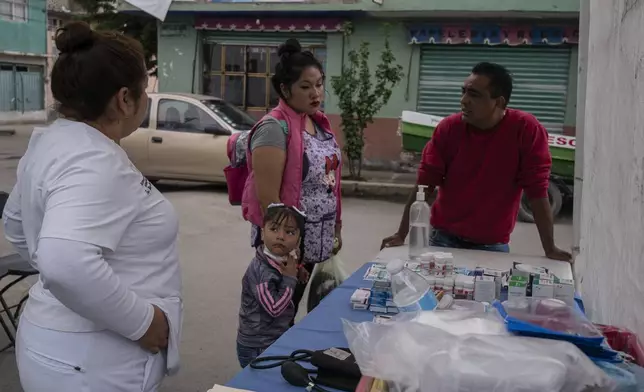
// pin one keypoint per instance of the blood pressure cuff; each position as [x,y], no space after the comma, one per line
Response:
[337,368]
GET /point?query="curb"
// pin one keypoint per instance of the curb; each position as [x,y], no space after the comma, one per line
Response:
[7,132]
[376,190]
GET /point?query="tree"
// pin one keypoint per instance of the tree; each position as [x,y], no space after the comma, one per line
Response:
[359,98]
[103,15]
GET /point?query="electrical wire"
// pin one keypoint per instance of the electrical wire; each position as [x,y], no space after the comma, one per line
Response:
[278,360]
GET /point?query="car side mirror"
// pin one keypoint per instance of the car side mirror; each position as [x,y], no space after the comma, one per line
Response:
[216,131]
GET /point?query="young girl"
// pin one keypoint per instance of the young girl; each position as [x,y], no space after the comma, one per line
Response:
[267,308]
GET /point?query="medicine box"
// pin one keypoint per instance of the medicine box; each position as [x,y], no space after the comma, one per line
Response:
[485,289]
[517,286]
[498,278]
[381,319]
[543,289]
[381,285]
[361,295]
[360,299]
[565,291]
[494,272]
[378,309]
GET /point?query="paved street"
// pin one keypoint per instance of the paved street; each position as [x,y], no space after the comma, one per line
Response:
[214,246]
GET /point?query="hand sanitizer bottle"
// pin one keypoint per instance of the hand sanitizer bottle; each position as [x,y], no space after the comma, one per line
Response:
[418,225]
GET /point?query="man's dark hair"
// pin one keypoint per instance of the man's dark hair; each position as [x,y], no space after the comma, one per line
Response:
[500,79]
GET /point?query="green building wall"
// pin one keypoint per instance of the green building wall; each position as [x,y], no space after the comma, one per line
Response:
[180,46]
[26,36]
[372,31]
[178,53]
[414,7]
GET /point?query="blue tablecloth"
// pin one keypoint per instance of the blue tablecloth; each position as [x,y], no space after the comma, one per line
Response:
[319,330]
[322,329]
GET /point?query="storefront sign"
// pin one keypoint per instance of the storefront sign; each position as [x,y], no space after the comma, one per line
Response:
[493,34]
[567,142]
[286,25]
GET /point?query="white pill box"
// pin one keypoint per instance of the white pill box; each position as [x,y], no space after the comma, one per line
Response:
[485,289]
[517,286]
[565,291]
[360,299]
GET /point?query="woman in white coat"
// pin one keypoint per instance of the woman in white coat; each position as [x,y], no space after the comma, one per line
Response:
[106,312]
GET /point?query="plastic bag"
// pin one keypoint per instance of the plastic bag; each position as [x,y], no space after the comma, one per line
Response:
[622,339]
[415,357]
[550,318]
[468,317]
[325,277]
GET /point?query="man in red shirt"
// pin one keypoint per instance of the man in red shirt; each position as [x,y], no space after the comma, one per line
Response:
[481,160]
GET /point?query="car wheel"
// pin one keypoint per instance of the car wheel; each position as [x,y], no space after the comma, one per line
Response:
[556,202]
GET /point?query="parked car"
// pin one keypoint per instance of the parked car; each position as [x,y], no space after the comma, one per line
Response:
[183,137]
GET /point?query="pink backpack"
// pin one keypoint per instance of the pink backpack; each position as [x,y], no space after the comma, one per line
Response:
[237,171]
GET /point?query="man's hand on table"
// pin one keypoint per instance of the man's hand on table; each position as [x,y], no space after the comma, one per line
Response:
[393,241]
[558,254]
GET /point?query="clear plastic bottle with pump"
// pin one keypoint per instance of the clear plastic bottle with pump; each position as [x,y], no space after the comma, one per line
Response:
[411,292]
[419,225]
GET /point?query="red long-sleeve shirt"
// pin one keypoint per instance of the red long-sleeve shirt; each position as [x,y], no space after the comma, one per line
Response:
[480,174]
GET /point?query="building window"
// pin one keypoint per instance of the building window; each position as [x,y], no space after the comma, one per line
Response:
[53,23]
[14,10]
[175,115]
[241,74]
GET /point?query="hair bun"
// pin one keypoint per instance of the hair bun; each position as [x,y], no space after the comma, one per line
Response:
[74,36]
[291,46]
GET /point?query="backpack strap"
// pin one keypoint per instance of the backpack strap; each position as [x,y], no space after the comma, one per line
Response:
[282,123]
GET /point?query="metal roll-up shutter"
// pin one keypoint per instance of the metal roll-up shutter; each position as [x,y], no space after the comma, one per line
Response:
[540,78]
[240,38]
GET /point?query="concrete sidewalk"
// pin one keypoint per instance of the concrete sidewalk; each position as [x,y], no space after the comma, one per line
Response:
[383,185]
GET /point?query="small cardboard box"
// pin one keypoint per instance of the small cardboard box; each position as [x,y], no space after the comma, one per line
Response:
[361,296]
[517,286]
[378,309]
[499,276]
[565,291]
[544,289]
[485,289]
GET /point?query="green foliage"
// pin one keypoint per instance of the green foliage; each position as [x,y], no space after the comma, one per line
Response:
[361,95]
[103,15]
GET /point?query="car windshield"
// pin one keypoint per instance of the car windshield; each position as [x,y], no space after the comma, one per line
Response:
[231,114]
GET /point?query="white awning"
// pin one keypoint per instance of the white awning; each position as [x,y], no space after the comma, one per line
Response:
[156,8]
